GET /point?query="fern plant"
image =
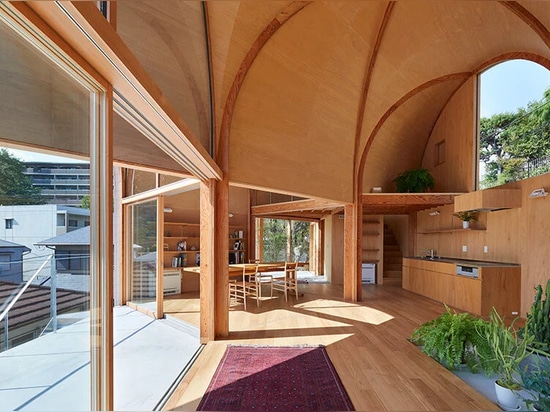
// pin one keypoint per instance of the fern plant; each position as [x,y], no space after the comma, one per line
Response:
[452,339]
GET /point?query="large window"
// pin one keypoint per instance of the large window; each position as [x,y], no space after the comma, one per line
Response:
[48,102]
[284,240]
[514,127]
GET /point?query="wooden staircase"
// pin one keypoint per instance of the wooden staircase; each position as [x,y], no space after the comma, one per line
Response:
[393,259]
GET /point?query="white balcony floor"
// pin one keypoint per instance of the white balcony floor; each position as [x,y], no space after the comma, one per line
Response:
[52,373]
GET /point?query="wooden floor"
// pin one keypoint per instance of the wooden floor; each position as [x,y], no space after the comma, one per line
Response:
[367,343]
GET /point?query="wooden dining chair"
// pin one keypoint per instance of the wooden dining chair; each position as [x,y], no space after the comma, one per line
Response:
[245,285]
[288,283]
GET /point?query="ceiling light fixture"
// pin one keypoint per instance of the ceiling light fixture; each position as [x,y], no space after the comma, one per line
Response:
[168,210]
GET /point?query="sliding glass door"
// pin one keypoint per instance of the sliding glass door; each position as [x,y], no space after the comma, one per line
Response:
[144,256]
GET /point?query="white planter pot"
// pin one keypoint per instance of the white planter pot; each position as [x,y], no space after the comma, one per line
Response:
[465,224]
[507,398]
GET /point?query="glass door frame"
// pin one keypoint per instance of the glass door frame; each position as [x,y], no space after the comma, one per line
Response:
[127,275]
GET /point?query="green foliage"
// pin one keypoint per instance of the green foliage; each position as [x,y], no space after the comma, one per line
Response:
[276,240]
[300,240]
[538,319]
[452,339]
[414,181]
[467,216]
[509,140]
[536,380]
[15,187]
[85,202]
[507,351]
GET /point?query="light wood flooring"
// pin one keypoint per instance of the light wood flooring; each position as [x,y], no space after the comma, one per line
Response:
[367,343]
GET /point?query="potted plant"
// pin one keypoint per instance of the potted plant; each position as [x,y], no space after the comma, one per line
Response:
[414,181]
[452,339]
[466,217]
[507,352]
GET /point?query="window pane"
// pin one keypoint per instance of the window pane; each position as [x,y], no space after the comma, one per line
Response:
[144,256]
[45,339]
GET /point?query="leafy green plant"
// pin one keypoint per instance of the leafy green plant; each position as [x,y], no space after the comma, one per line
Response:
[414,181]
[467,216]
[452,339]
[538,319]
[507,351]
[536,380]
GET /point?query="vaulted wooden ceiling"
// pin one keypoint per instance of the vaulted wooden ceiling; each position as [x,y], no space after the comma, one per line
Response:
[331,91]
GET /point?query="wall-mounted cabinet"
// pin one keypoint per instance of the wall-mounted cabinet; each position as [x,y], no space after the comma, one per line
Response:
[488,200]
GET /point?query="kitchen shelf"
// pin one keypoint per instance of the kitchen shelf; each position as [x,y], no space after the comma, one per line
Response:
[429,232]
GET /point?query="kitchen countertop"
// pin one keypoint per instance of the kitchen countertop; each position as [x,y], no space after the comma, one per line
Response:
[465,262]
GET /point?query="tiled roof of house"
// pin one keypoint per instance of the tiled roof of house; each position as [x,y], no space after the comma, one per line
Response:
[34,304]
[5,243]
[76,237]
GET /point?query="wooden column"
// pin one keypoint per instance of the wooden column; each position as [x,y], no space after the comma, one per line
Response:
[214,312]
[412,234]
[221,259]
[260,241]
[352,289]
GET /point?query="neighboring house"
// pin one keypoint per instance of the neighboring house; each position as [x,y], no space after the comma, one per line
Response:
[11,261]
[61,183]
[72,258]
[30,224]
[31,313]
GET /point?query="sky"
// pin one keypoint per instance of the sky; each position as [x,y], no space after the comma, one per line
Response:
[504,88]
[508,86]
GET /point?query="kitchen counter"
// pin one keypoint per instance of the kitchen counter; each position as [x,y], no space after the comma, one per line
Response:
[454,282]
[477,263]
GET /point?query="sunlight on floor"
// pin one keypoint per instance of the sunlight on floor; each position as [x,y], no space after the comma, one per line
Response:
[347,310]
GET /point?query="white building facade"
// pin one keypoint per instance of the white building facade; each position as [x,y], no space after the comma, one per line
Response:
[28,225]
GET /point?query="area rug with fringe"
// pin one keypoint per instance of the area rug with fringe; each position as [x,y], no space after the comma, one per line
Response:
[275,378]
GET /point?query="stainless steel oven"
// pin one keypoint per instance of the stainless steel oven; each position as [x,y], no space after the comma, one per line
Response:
[470,271]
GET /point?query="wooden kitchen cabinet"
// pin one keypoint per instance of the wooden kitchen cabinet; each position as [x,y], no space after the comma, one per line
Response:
[497,286]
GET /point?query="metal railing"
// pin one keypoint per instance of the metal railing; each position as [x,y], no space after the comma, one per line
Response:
[4,315]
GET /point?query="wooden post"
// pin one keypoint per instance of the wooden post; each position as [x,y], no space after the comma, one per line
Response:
[207,278]
[221,259]
[352,291]
[412,234]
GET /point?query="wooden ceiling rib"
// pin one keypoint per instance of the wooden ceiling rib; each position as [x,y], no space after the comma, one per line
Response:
[403,203]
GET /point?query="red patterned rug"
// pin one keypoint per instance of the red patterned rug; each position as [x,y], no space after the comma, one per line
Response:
[272,378]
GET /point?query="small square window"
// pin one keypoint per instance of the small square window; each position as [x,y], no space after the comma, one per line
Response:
[9,223]
[73,223]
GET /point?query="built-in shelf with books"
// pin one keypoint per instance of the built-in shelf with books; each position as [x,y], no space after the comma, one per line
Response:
[237,245]
[181,244]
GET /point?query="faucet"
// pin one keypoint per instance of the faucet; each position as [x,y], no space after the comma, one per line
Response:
[428,253]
